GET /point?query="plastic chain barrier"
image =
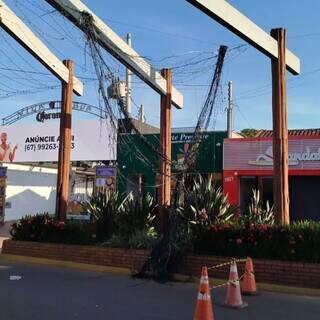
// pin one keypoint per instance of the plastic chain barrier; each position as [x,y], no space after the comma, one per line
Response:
[234,283]
[226,263]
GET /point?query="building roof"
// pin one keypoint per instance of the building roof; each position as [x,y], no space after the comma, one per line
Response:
[234,134]
[186,129]
[126,126]
[291,133]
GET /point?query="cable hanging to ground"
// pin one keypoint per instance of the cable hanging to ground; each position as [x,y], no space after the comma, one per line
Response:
[165,251]
[204,119]
[106,77]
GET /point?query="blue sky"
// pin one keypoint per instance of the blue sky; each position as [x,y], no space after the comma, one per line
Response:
[167,28]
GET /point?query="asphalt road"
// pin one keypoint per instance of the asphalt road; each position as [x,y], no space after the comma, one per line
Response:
[54,294]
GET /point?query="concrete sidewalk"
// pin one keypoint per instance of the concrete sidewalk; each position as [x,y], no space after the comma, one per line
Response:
[5,229]
[5,232]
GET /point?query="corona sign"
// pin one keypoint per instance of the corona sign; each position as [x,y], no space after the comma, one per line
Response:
[92,140]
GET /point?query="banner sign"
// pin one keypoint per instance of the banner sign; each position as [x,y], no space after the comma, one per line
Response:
[106,177]
[92,140]
[3,185]
[258,154]
[3,172]
[105,171]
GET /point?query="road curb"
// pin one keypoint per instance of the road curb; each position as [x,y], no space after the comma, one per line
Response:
[126,271]
[64,264]
[267,287]
[300,291]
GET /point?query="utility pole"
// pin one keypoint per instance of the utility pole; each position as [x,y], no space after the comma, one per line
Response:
[282,59]
[65,145]
[165,141]
[280,130]
[128,81]
[230,110]
[141,116]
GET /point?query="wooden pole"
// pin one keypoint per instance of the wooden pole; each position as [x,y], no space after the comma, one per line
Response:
[280,131]
[65,145]
[165,141]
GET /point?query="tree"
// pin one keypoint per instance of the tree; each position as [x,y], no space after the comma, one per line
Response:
[249,132]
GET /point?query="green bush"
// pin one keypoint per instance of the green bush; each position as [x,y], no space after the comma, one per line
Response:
[256,213]
[208,204]
[31,228]
[205,223]
[140,239]
[104,209]
[123,219]
[299,241]
[136,216]
[46,228]
[202,207]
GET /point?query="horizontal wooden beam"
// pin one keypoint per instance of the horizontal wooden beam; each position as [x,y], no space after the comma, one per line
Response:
[116,46]
[235,21]
[22,34]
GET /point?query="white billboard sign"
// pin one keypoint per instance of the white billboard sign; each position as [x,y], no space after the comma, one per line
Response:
[91,140]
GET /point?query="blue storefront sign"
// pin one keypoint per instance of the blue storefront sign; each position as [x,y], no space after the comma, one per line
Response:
[3,172]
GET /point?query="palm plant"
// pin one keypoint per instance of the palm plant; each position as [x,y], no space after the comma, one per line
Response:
[137,215]
[207,204]
[203,206]
[256,213]
[104,209]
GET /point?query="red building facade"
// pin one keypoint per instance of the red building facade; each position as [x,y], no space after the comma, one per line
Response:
[248,164]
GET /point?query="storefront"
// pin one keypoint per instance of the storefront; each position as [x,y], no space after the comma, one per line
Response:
[138,165]
[248,164]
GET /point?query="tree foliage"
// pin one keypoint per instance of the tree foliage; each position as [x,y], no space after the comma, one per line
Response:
[249,132]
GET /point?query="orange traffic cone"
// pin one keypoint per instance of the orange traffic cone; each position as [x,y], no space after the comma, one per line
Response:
[234,298]
[204,306]
[248,284]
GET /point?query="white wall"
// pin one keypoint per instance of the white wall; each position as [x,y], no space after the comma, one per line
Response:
[30,190]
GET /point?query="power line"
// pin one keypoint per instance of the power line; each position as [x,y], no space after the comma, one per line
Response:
[267,89]
[152,29]
[26,92]
[242,114]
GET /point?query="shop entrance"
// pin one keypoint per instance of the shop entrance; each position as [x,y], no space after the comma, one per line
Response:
[304,198]
[304,195]
[249,183]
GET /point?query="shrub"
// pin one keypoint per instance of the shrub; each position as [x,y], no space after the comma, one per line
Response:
[134,224]
[31,228]
[137,240]
[124,220]
[208,204]
[299,241]
[204,206]
[168,249]
[256,213]
[46,228]
[120,215]
[104,209]
[142,239]
[136,216]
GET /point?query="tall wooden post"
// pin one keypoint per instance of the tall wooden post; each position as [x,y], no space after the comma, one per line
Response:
[280,130]
[165,141]
[65,144]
